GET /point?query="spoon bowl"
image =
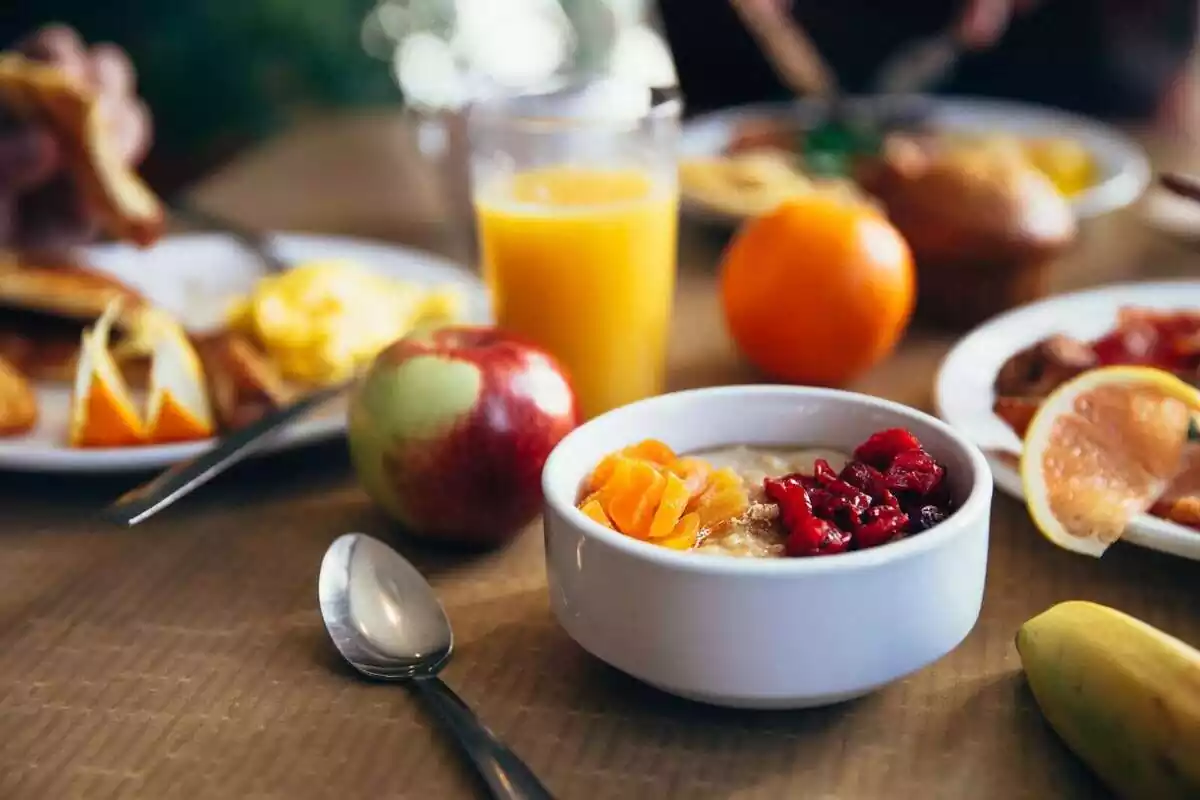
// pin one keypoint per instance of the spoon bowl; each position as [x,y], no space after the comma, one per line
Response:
[381,613]
[386,621]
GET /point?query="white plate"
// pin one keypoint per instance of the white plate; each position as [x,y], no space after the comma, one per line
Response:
[1123,167]
[963,390]
[195,277]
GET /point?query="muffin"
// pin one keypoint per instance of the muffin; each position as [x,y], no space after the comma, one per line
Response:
[984,225]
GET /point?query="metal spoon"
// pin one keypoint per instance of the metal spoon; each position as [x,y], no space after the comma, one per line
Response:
[386,621]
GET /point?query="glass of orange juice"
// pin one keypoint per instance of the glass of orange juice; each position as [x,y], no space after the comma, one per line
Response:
[576,202]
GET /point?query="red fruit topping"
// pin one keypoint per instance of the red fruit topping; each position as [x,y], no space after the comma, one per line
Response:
[914,471]
[823,473]
[891,488]
[925,518]
[870,480]
[815,536]
[840,502]
[879,450]
[838,541]
[879,526]
[792,498]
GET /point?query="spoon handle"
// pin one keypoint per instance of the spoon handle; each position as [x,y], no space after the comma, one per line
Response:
[506,775]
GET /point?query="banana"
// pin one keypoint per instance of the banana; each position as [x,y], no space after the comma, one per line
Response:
[1124,696]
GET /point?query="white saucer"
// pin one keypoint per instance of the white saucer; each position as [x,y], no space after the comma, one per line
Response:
[195,277]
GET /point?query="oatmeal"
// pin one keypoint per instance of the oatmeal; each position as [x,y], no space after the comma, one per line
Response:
[770,502]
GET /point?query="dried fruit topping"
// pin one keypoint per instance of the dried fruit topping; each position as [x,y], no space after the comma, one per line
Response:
[647,492]
[840,502]
[925,518]
[880,525]
[891,489]
[879,450]
[814,536]
[790,494]
[864,477]
[914,471]
[823,472]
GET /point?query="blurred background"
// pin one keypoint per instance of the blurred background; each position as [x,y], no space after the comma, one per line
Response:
[221,75]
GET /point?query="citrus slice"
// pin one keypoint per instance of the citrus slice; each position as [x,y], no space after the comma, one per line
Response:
[103,413]
[178,409]
[1101,449]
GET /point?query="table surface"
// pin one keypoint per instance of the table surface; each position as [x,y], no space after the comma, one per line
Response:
[186,658]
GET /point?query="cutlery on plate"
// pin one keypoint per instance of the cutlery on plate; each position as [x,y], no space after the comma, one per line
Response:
[385,620]
[919,66]
[1185,186]
[145,501]
[257,242]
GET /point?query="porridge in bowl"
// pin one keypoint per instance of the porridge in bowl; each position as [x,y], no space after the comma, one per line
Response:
[770,502]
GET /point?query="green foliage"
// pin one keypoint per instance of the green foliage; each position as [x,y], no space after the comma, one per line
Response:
[234,69]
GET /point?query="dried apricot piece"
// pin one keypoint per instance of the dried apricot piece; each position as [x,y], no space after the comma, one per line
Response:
[721,507]
[674,500]
[593,509]
[618,478]
[725,478]
[723,500]
[683,537]
[721,480]
[651,450]
[602,473]
[634,499]
[694,472]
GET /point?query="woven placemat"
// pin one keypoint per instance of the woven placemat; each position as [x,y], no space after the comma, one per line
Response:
[186,659]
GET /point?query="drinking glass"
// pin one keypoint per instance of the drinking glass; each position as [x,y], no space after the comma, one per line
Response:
[576,204]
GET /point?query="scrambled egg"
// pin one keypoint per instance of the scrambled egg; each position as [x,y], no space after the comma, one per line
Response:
[321,321]
[1066,162]
[754,182]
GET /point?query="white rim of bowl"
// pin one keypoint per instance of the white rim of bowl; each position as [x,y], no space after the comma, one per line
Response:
[976,505]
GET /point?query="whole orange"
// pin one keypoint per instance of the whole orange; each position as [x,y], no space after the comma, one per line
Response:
[819,290]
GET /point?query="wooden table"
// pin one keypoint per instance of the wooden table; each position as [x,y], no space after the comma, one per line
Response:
[185,658]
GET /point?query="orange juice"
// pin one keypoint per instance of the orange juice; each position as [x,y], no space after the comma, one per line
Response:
[582,262]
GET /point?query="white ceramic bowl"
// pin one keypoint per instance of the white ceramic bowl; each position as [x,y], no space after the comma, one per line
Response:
[765,633]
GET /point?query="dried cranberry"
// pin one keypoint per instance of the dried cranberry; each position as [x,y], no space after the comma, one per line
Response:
[879,526]
[815,536]
[879,450]
[823,473]
[914,471]
[838,541]
[892,488]
[870,480]
[840,502]
[940,496]
[791,496]
[925,518]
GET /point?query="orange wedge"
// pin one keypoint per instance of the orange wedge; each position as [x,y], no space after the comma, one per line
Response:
[1102,449]
[102,411]
[178,409]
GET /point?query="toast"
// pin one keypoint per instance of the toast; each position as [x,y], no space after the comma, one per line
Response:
[46,300]
[18,403]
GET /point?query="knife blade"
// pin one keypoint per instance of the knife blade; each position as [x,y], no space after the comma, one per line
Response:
[138,505]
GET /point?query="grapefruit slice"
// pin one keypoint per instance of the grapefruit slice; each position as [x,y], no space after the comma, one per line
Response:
[1102,449]
[103,413]
[178,409]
